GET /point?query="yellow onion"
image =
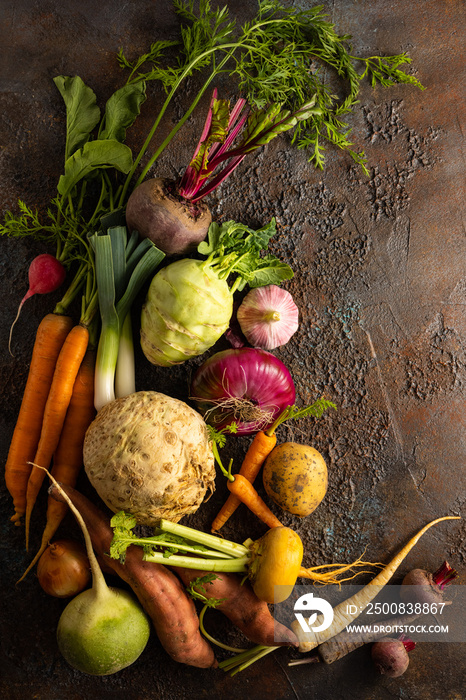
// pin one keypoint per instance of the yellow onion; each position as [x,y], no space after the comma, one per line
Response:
[63,569]
[268,317]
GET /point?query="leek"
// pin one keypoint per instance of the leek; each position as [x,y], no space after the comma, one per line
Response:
[122,265]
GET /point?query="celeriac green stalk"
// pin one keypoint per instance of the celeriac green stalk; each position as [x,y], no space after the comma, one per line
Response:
[231,556]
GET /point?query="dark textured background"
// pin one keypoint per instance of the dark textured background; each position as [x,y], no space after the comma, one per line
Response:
[380,281]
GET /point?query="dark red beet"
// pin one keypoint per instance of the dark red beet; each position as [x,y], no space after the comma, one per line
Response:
[390,656]
[173,224]
[420,586]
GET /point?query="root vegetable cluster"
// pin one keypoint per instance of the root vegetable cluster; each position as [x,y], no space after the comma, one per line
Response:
[151,458]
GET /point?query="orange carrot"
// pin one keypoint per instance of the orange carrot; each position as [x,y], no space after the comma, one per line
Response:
[58,401]
[50,337]
[258,451]
[247,494]
[68,457]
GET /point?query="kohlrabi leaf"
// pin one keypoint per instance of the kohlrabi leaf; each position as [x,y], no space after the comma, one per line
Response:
[234,247]
[121,110]
[82,112]
[93,155]
[268,270]
[212,242]
[236,237]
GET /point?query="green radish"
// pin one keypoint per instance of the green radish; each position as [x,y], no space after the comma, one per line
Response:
[190,303]
[102,630]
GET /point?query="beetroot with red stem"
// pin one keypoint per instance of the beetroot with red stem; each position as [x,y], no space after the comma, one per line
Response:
[390,655]
[171,213]
[420,586]
[174,224]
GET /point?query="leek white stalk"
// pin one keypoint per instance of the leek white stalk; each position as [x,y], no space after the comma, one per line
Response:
[125,374]
[106,359]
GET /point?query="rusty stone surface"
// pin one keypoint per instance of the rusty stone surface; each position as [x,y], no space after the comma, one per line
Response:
[380,269]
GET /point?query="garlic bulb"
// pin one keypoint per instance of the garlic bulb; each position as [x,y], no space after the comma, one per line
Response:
[268,317]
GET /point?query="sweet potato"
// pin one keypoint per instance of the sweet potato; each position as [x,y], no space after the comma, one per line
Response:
[243,608]
[159,591]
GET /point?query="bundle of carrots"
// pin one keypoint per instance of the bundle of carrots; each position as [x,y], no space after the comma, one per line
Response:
[56,409]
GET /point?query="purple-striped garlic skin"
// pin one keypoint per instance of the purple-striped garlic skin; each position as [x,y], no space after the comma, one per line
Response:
[268,317]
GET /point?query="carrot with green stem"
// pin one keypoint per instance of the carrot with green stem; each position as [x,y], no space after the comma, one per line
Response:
[50,336]
[262,445]
[61,389]
[68,457]
[245,492]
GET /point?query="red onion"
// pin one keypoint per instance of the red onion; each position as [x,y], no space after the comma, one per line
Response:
[246,386]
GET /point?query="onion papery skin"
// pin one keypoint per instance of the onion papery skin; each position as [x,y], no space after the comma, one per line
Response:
[233,382]
[63,570]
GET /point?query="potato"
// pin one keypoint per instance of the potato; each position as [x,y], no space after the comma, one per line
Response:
[150,455]
[295,478]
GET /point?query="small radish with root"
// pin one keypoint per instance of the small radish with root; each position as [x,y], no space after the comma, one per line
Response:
[420,586]
[391,656]
[45,275]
